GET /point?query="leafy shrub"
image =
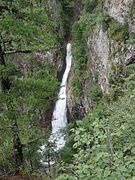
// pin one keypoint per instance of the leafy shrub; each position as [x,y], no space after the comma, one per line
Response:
[131,39]
[104,140]
[118,31]
[77,87]
[95,92]
[90,5]
[79,47]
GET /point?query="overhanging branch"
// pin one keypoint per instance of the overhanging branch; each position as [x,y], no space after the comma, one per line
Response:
[19,51]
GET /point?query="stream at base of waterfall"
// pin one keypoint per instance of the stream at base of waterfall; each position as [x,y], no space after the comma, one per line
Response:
[59,118]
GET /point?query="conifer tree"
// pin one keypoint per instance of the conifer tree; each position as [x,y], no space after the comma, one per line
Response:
[25,28]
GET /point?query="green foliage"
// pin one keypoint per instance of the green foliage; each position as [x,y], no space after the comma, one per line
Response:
[90,5]
[66,177]
[49,153]
[77,87]
[118,31]
[93,15]
[9,70]
[79,52]
[67,15]
[117,81]
[88,22]
[104,140]
[79,47]
[120,75]
[67,152]
[130,69]
[27,98]
[25,26]
[95,92]
[131,39]
[83,29]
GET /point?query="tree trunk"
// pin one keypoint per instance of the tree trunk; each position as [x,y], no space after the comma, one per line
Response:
[18,153]
[5,83]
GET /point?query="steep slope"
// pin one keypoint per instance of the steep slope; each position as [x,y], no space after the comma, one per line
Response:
[104,141]
[102,48]
[101,93]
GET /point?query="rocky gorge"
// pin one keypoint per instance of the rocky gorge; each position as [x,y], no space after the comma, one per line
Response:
[67,89]
[108,51]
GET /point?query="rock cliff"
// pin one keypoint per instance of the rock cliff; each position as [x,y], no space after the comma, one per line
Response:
[108,49]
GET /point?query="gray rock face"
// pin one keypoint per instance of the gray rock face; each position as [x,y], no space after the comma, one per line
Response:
[99,51]
[75,105]
[118,9]
[104,53]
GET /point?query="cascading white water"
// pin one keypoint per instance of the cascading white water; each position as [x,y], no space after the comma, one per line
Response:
[59,119]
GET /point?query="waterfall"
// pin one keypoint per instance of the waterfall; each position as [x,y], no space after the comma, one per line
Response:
[59,119]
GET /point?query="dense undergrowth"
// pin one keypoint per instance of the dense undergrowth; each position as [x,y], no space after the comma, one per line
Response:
[99,147]
[28,84]
[104,140]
